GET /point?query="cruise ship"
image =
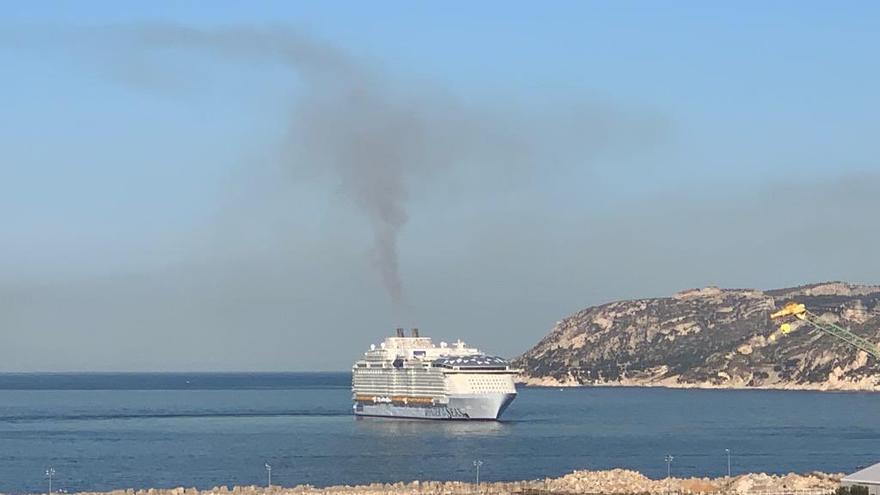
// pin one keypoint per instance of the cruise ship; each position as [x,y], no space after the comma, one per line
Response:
[410,377]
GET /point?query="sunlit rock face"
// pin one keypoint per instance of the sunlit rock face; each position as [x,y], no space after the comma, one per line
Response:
[713,338]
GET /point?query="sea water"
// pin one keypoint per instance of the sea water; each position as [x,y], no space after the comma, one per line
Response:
[109,431]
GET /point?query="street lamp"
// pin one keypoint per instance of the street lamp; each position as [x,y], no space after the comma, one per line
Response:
[477,464]
[668,460]
[50,473]
[269,471]
[727,451]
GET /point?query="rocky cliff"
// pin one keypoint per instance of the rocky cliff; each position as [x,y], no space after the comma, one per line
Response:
[712,338]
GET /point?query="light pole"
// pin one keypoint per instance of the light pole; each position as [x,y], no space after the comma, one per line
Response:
[49,474]
[269,471]
[477,464]
[668,460]
[727,451]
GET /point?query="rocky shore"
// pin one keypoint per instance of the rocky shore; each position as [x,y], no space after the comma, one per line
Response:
[865,385]
[713,338]
[612,482]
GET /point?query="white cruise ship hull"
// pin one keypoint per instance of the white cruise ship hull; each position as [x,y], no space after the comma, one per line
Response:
[488,406]
[410,377]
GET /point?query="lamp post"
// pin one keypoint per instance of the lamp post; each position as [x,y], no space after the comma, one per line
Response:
[727,451]
[477,464]
[269,472]
[668,460]
[50,473]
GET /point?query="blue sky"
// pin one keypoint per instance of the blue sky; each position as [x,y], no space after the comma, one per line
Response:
[153,220]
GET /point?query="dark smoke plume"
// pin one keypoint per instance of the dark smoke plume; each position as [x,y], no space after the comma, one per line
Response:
[378,137]
[345,120]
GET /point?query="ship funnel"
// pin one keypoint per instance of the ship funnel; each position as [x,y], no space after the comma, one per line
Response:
[415,332]
[400,332]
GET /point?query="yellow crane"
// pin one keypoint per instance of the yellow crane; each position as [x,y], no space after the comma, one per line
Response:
[799,311]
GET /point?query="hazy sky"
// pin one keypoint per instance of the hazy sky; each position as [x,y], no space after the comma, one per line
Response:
[219,186]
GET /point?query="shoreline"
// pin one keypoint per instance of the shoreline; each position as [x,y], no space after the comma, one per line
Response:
[607,482]
[550,382]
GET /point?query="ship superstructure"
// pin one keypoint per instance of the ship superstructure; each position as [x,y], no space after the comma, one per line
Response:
[410,377]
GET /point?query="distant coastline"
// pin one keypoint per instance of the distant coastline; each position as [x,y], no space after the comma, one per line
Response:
[282,380]
[174,380]
[671,384]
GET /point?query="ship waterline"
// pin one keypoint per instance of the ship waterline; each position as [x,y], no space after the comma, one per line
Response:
[410,377]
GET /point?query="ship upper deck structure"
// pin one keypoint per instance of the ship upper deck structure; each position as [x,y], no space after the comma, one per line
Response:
[410,376]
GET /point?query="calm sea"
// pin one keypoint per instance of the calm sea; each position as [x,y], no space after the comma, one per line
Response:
[107,431]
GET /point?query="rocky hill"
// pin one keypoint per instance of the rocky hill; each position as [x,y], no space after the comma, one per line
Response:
[712,338]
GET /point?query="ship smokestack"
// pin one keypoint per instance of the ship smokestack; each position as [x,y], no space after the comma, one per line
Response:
[415,332]
[400,332]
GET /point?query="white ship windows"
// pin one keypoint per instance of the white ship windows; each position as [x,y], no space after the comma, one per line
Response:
[488,383]
[475,361]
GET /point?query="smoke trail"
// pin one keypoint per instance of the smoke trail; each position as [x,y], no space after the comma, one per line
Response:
[345,120]
[378,138]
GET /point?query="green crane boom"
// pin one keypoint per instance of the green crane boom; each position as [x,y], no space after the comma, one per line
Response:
[800,312]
